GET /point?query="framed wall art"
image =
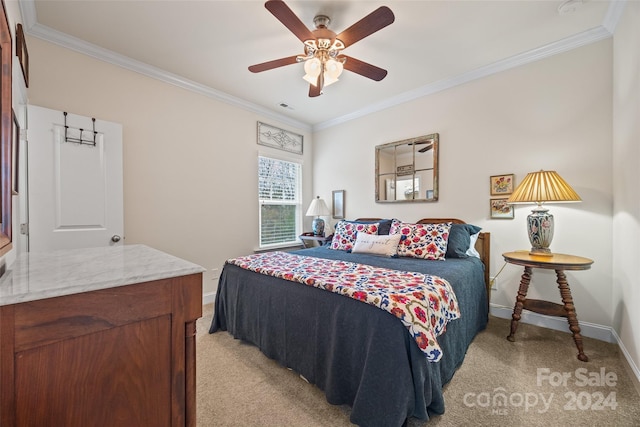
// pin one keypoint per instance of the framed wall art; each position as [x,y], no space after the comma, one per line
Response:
[281,139]
[502,185]
[500,209]
[338,204]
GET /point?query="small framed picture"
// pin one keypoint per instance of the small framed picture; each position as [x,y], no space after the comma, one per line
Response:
[338,204]
[502,185]
[500,209]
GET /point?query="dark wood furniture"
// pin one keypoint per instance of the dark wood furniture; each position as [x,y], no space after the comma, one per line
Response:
[108,357]
[310,240]
[559,263]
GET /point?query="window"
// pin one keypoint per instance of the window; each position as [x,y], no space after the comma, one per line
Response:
[279,188]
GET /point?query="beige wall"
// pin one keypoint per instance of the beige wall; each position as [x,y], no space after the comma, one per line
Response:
[190,161]
[190,180]
[626,178]
[553,114]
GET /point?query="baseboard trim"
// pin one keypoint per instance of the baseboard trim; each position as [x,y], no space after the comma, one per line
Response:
[587,329]
[208,298]
[633,368]
[591,330]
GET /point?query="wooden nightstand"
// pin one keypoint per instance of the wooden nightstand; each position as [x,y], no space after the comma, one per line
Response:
[310,241]
[559,263]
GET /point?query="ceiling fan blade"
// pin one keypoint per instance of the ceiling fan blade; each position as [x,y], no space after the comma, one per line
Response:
[364,69]
[376,20]
[257,68]
[314,91]
[425,149]
[281,11]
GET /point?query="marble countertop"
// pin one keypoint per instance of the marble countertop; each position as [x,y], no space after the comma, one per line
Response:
[35,276]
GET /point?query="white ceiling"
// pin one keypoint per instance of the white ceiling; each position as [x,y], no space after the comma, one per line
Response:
[207,45]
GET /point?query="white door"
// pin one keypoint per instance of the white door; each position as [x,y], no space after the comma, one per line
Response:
[75,181]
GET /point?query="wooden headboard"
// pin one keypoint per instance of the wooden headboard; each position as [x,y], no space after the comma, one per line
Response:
[483,245]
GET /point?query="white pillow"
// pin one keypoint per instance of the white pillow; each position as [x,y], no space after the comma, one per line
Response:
[377,245]
[472,247]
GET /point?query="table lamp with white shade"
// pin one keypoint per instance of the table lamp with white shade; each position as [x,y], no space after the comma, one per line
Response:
[318,208]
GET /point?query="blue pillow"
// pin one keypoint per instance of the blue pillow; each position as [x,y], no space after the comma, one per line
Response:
[460,240]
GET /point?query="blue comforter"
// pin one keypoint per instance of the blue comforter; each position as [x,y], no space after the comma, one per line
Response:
[357,354]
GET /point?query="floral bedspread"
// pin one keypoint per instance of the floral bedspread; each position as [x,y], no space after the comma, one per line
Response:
[423,303]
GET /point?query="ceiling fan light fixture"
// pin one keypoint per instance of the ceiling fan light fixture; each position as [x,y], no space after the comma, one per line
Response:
[337,46]
[332,70]
[312,68]
[310,47]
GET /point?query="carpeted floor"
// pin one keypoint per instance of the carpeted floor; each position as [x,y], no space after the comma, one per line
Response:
[542,382]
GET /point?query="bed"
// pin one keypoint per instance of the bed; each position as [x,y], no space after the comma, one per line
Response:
[359,355]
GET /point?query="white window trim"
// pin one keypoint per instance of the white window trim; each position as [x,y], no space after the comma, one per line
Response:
[281,155]
[298,202]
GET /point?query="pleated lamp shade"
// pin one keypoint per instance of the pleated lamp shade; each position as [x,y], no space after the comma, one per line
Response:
[540,187]
[543,186]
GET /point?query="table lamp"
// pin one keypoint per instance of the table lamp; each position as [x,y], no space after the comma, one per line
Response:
[318,208]
[540,187]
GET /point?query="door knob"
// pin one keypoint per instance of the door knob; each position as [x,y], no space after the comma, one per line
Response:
[115,238]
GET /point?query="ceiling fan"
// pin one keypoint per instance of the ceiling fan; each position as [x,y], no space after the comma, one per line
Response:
[423,149]
[323,58]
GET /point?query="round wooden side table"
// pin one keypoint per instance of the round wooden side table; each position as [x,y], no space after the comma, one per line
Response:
[559,263]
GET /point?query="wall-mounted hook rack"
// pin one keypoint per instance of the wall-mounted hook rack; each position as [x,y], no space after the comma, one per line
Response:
[79,140]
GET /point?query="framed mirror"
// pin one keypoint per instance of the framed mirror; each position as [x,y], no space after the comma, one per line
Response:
[407,170]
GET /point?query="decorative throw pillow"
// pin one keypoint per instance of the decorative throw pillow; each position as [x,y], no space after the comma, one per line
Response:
[377,245]
[472,251]
[426,241]
[460,240]
[345,233]
[383,224]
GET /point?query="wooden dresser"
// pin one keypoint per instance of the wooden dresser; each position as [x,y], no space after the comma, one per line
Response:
[99,337]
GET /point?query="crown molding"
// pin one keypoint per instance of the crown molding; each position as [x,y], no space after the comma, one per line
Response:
[614,13]
[586,37]
[34,29]
[28,13]
[606,30]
